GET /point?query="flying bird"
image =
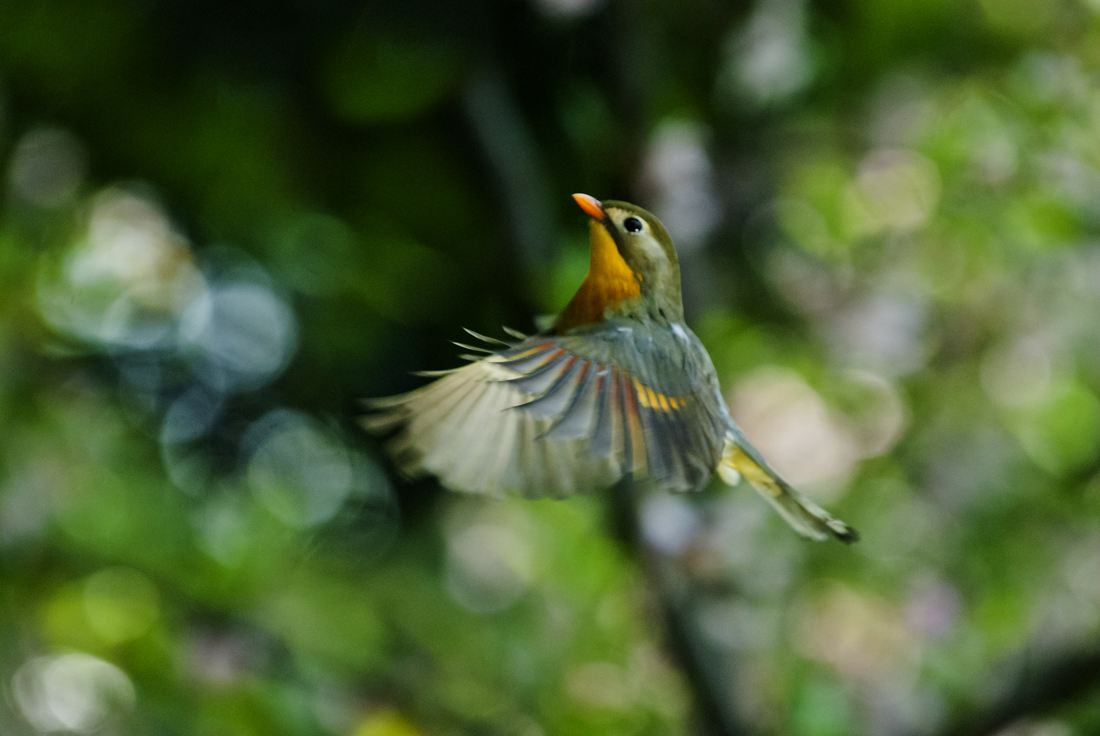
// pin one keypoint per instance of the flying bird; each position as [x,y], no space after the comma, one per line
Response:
[617,387]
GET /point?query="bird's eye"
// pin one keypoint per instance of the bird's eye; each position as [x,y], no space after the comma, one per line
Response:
[633,225]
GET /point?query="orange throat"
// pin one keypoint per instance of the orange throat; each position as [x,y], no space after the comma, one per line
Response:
[610,283]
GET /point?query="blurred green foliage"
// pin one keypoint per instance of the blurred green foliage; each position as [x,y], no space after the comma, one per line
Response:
[222,224]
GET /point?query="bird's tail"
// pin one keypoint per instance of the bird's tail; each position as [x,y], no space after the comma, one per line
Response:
[741,460]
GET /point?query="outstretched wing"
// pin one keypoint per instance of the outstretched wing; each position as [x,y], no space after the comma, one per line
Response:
[555,415]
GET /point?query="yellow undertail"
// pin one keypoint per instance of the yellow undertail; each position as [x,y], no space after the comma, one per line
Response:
[805,516]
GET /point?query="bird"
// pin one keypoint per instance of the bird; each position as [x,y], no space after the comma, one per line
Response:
[617,388]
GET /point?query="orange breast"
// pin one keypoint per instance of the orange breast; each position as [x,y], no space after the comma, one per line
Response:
[609,283]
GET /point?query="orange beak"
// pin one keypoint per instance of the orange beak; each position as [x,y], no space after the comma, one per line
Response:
[591,206]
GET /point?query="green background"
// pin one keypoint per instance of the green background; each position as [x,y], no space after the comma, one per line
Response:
[221,224]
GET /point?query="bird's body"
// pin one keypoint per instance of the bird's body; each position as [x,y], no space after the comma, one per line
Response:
[618,387]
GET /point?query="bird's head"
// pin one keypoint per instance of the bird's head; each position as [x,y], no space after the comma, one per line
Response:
[633,271]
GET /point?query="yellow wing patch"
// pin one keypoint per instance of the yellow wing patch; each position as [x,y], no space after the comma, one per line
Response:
[650,399]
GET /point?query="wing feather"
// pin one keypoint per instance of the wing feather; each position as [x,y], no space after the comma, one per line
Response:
[542,376]
[635,458]
[446,448]
[553,401]
[552,416]
[575,421]
[604,438]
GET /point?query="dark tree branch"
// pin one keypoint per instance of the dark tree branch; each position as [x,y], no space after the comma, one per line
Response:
[1032,688]
[518,177]
[706,674]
